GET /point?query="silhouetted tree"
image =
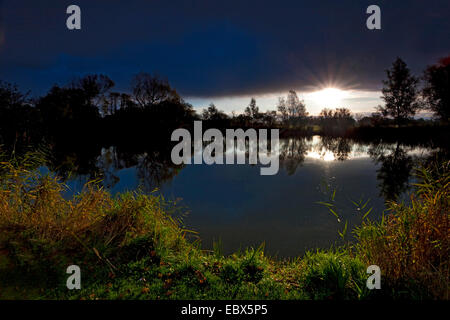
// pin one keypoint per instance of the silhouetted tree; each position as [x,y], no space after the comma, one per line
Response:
[343,113]
[295,107]
[270,118]
[66,109]
[113,102]
[19,121]
[282,109]
[344,117]
[252,111]
[150,90]
[292,110]
[326,114]
[399,92]
[335,121]
[437,89]
[126,101]
[95,88]
[212,113]
[10,95]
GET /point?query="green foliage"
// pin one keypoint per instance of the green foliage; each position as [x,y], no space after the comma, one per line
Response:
[333,275]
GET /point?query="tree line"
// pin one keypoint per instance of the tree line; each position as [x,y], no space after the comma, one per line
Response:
[401,93]
[89,107]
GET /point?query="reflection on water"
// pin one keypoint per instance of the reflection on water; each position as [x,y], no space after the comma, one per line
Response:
[152,169]
[236,204]
[396,164]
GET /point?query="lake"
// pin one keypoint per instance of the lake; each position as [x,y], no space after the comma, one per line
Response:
[236,205]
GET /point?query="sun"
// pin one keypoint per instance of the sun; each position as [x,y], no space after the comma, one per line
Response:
[328,97]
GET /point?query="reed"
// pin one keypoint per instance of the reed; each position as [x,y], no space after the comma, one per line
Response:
[411,244]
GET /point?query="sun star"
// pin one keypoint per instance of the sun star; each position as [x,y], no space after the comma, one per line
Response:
[328,97]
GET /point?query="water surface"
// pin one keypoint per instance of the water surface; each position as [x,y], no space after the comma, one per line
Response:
[241,208]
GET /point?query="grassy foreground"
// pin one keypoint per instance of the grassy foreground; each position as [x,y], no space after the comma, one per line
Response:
[130,247]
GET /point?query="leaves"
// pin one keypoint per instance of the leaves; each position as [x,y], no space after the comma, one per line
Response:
[367,213]
[325,204]
[344,231]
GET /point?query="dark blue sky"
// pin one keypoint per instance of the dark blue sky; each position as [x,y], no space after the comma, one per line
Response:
[226,48]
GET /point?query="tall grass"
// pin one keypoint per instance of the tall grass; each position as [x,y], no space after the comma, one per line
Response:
[129,246]
[41,230]
[412,243]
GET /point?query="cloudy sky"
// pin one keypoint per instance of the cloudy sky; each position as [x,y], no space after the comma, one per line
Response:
[224,51]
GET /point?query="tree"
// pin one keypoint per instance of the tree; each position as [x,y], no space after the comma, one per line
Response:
[150,90]
[212,113]
[113,102]
[295,107]
[344,117]
[336,121]
[291,108]
[95,88]
[10,95]
[399,93]
[436,92]
[62,106]
[18,119]
[252,110]
[126,101]
[326,114]
[343,113]
[281,107]
[270,118]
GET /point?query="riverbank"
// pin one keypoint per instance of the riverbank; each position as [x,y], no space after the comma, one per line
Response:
[130,247]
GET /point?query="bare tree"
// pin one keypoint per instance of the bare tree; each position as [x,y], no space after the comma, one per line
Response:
[149,90]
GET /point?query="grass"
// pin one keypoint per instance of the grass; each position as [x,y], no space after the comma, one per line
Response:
[412,244]
[130,247]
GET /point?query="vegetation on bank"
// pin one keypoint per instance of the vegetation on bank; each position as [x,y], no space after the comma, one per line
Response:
[131,247]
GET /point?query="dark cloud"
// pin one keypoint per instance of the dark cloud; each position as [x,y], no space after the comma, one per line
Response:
[206,48]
